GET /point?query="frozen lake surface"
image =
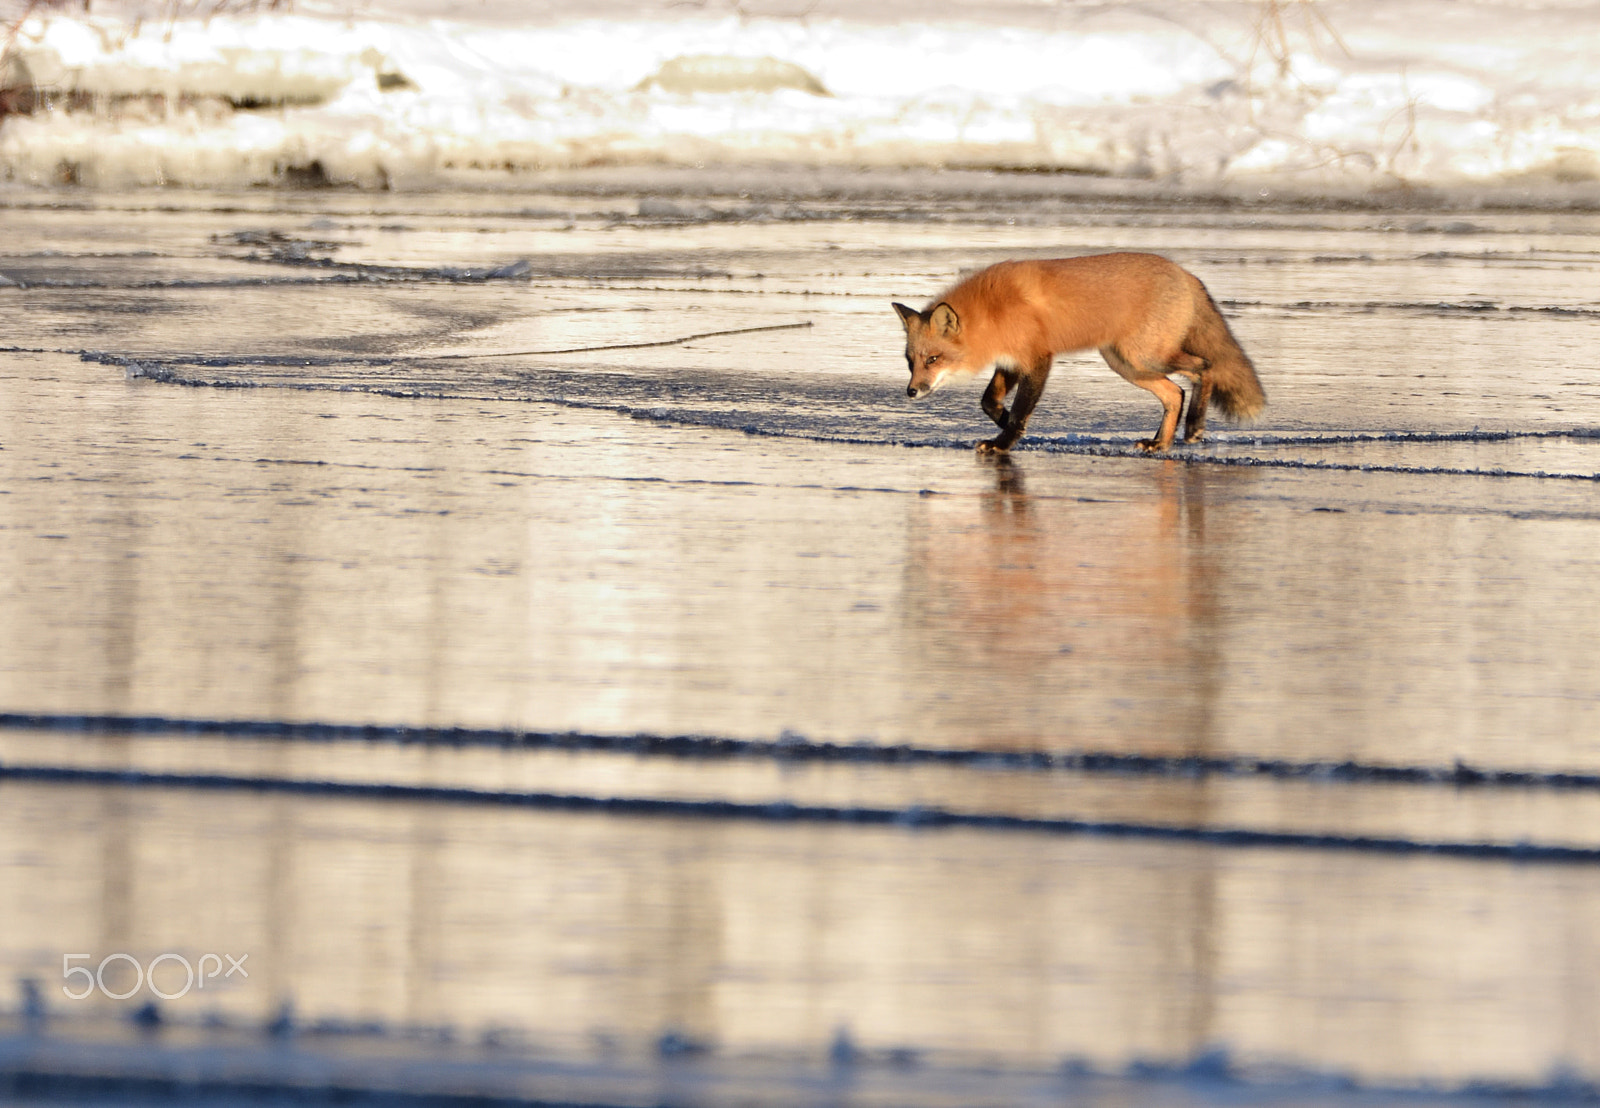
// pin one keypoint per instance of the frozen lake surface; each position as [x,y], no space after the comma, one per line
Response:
[391,594]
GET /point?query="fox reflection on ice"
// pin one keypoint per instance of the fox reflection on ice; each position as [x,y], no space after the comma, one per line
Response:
[1094,594]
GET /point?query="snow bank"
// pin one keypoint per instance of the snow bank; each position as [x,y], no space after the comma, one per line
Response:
[1342,96]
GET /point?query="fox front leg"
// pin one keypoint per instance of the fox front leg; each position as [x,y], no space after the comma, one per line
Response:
[1030,386]
[994,397]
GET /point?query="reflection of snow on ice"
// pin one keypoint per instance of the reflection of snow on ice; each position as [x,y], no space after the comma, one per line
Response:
[1342,96]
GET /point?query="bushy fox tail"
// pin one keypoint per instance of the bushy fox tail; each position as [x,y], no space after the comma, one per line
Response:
[1235,387]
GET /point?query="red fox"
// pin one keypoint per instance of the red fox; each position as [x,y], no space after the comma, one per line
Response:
[1148,316]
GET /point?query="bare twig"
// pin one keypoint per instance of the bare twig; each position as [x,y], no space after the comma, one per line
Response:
[618,345]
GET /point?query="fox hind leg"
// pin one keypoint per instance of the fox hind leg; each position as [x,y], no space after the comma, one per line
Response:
[1171,397]
[1194,424]
[1155,381]
[1194,368]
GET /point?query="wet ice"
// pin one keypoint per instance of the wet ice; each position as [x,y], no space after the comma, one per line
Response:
[241,487]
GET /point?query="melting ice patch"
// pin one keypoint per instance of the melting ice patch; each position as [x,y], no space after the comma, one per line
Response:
[1204,96]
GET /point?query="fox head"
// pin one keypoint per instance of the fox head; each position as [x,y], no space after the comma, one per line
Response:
[933,347]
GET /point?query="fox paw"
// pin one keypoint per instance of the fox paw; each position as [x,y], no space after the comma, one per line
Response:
[991,446]
[1195,436]
[1152,446]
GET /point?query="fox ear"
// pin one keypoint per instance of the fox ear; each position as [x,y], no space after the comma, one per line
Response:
[908,315]
[944,320]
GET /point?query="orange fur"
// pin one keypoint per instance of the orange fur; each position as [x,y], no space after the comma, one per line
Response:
[1148,317]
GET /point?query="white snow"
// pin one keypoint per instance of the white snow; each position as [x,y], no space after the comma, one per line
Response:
[1334,96]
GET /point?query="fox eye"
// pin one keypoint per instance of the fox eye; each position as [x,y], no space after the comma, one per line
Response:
[931,359]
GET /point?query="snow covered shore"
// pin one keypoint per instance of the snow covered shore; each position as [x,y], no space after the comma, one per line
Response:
[1337,97]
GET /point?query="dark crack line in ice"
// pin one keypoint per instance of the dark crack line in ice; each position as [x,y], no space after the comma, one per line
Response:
[1486,309]
[798,749]
[1341,438]
[1341,467]
[687,482]
[162,375]
[521,270]
[705,482]
[188,283]
[914,817]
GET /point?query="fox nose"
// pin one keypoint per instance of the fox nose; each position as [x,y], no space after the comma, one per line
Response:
[914,392]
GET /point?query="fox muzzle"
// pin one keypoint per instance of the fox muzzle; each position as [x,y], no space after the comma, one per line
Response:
[918,389]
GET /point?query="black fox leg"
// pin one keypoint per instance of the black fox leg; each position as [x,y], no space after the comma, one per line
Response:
[1194,367]
[994,397]
[1030,386]
[1194,424]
